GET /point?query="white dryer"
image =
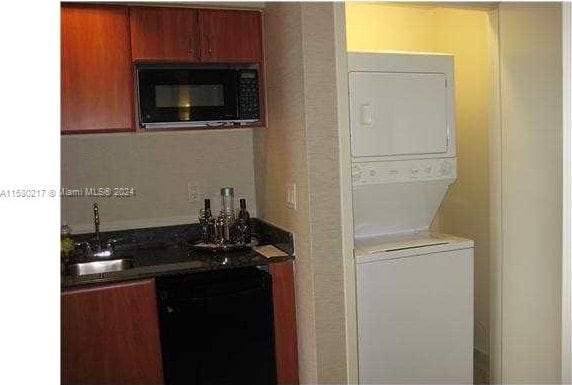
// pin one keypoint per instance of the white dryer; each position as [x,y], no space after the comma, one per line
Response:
[414,288]
[402,139]
[401,106]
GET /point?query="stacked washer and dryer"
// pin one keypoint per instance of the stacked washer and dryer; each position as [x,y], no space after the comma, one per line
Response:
[414,287]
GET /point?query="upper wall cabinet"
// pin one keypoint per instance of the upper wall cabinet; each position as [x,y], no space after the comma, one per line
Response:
[230,36]
[166,34]
[96,72]
[195,35]
[99,44]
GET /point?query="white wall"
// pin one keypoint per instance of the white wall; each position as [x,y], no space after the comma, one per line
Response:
[301,146]
[531,89]
[280,155]
[567,198]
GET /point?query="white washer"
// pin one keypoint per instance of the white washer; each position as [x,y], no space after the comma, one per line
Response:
[415,309]
[414,288]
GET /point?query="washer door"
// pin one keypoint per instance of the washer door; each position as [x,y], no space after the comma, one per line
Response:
[415,319]
[398,113]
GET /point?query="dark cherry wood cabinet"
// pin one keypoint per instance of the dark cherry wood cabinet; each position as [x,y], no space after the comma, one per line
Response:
[191,35]
[96,70]
[230,36]
[100,42]
[285,339]
[165,34]
[110,335]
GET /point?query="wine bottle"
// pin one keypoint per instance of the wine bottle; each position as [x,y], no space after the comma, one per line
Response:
[208,212]
[207,222]
[244,222]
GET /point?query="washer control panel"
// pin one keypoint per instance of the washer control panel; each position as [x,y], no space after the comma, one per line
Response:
[402,171]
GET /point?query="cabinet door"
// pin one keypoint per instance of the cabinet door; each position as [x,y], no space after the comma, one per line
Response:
[110,335]
[96,73]
[166,34]
[230,36]
[285,339]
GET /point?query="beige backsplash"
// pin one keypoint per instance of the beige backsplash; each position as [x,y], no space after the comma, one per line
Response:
[158,166]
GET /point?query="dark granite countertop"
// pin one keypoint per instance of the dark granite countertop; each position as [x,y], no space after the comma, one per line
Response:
[166,251]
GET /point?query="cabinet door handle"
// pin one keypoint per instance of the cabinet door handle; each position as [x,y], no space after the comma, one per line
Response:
[210,50]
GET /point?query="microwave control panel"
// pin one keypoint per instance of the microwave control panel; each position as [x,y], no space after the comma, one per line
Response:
[248,94]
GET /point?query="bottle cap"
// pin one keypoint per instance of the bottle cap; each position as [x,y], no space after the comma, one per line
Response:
[227,191]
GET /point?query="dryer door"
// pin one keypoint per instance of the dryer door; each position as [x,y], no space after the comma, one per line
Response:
[398,113]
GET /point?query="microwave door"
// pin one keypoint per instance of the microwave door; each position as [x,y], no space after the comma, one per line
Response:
[183,96]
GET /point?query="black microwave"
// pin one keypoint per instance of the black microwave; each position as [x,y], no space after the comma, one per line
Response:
[197,95]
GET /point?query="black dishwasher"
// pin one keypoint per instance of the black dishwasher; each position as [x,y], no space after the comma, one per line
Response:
[217,328]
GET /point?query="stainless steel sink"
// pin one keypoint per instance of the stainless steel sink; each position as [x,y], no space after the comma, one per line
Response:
[98,267]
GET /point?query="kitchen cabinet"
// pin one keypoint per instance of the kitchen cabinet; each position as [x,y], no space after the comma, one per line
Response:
[110,335]
[285,340]
[230,36]
[99,44]
[96,70]
[195,35]
[168,34]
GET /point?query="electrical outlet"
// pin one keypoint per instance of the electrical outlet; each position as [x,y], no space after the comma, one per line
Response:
[194,192]
[291,196]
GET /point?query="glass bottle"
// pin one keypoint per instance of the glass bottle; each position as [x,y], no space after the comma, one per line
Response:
[243,227]
[207,222]
[227,218]
[227,200]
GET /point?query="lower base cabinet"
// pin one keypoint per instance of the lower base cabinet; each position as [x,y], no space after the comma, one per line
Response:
[285,340]
[110,335]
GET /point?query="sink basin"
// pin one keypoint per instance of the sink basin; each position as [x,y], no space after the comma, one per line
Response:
[98,267]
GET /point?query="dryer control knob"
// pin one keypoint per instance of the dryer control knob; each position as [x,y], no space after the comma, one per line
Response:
[445,168]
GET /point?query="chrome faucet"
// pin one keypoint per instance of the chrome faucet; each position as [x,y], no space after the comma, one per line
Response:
[94,247]
[100,251]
